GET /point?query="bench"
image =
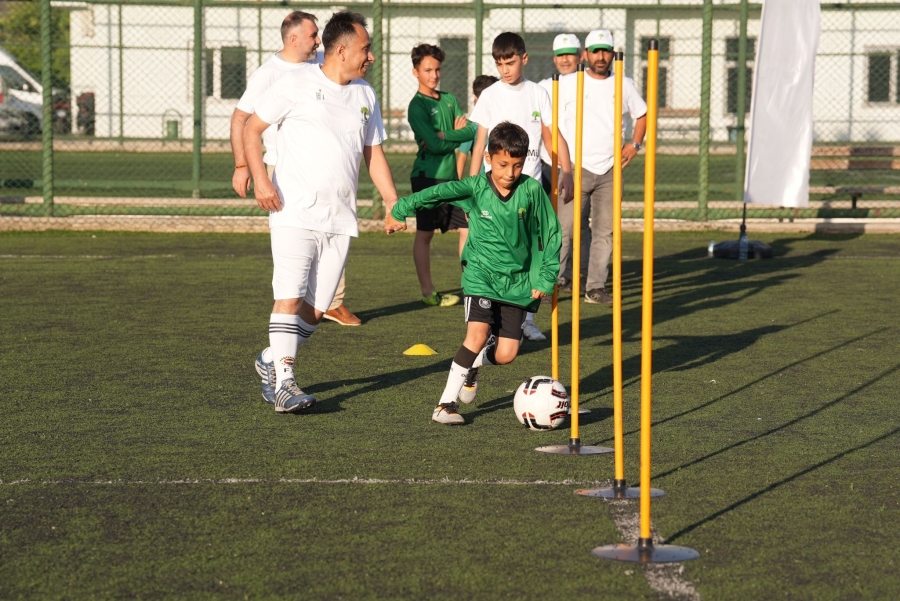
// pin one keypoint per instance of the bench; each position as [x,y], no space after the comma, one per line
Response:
[855,158]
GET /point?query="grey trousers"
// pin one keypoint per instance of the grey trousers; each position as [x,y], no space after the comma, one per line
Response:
[596,193]
[566,215]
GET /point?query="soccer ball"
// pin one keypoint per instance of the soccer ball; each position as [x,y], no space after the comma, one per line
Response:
[541,403]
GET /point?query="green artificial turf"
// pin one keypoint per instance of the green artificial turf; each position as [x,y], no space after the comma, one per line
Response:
[139,460]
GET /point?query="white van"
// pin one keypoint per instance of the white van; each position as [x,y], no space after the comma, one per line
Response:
[21,91]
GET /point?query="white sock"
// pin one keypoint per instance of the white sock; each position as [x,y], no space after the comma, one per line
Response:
[482,359]
[454,383]
[286,334]
[529,317]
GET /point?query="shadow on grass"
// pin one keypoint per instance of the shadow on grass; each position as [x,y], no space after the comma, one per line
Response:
[414,305]
[782,482]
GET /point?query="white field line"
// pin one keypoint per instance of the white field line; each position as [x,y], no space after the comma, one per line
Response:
[664,578]
[409,481]
[105,257]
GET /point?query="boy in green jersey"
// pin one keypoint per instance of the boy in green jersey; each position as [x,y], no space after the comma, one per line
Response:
[510,262]
[433,116]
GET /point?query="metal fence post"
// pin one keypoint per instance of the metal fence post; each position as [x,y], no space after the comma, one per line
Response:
[479,35]
[198,95]
[739,161]
[705,87]
[121,83]
[377,47]
[47,106]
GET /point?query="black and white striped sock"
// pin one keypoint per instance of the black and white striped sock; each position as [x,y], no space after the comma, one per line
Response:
[286,334]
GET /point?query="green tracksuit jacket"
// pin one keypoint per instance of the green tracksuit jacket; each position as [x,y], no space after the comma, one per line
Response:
[513,245]
[427,116]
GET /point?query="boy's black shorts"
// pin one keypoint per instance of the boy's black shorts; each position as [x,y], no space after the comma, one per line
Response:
[446,217]
[506,320]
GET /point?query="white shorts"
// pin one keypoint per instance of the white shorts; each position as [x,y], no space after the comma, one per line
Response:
[307,265]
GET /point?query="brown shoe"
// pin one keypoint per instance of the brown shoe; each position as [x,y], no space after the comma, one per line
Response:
[343,316]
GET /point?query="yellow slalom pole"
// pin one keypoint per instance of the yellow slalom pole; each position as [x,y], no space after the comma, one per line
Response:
[618,427]
[554,200]
[576,256]
[647,296]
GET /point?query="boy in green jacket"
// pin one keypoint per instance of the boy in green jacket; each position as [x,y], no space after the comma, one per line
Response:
[510,261]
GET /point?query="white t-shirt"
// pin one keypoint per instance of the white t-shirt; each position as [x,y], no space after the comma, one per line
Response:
[526,104]
[260,81]
[599,97]
[322,130]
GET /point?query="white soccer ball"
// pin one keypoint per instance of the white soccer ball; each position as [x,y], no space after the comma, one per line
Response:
[541,403]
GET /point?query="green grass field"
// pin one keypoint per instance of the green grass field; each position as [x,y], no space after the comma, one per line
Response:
[162,175]
[139,461]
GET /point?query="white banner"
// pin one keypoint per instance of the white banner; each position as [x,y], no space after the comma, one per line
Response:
[781,109]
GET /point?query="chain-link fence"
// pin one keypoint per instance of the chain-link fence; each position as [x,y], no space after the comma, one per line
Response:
[141,95]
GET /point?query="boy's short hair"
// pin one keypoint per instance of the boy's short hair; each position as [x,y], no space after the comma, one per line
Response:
[340,29]
[423,50]
[510,138]
[481,83]
[507,45]
[292,20]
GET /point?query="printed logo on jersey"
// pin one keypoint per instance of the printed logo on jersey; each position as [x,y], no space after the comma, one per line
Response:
[486,215]
[484,303]
[365,114]
[522,214]
[434,111]
[320,95]
[535,116]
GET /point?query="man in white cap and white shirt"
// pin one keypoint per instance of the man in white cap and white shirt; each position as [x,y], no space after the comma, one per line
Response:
[597,148]
[566,56]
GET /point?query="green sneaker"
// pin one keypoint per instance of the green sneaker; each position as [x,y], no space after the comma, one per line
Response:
[438,300]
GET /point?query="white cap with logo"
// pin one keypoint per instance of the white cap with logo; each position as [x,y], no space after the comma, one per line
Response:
[566,43]
[599,39]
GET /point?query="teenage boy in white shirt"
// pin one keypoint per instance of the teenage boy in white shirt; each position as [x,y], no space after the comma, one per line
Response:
[525,103]
[597,148]
[312,196]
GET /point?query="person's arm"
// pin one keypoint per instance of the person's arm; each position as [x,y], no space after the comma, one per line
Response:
[265,192]
[478,151]
[463,134]
[566,182]
[240,179]
[637,137]
[461,158]
[380,172]
[458,193]
[420,122]
[550,239]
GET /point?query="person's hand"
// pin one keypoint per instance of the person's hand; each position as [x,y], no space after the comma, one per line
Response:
[536,294]
[267,196]
[391,225]
[628,153]
[566,187]
[240,181]
[460,122]
[440,135]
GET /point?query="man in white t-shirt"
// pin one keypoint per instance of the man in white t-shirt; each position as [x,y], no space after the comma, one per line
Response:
[300,35]
[328,119]
[597,148]
[525,103]
[566,57]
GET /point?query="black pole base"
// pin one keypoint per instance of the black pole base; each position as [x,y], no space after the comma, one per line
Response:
[574,448]
[645,552]
[731,249]
[619,490]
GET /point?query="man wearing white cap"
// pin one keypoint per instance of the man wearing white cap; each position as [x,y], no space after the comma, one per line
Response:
[597,148]
[566,55]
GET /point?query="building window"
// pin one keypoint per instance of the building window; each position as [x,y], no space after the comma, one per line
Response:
[731,75]
[665,67]
[224,72]
[883,77]
[233,71]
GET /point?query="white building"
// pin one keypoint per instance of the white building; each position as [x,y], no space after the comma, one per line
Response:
[138,62]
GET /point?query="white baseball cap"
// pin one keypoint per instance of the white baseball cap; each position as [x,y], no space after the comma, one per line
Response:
[566,43]
[599,39]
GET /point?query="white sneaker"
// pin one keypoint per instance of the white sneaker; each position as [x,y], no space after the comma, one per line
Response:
[532,332]
[447,414]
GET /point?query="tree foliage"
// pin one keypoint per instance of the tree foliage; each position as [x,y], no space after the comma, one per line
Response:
[20,35]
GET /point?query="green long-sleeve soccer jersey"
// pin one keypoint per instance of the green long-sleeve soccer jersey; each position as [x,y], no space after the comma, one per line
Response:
[427,116]
[513,245]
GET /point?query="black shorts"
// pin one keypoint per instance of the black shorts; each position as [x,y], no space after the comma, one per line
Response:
[442,218]
[506,320]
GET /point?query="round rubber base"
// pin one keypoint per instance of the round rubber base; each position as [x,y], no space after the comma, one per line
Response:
[617,493]
[564,449]
[652,554]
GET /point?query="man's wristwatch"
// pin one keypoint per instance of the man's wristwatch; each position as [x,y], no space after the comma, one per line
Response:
[636,145]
